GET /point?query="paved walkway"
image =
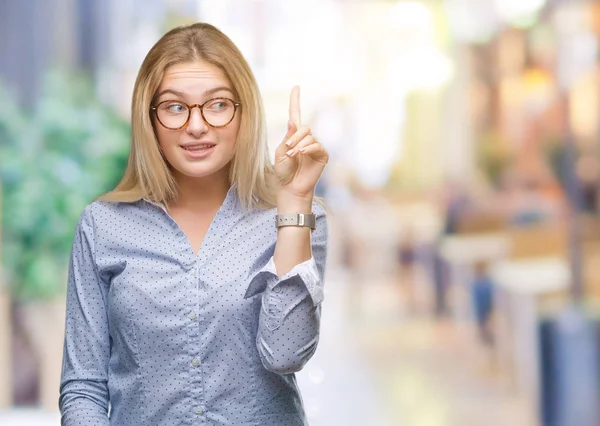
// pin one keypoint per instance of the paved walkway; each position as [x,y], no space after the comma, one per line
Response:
[29,417]
[337,384]
[432,373]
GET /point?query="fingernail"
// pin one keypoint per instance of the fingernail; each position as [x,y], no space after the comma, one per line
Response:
[289,143]
[290,152]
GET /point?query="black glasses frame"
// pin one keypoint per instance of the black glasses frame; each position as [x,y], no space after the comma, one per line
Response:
[200,107]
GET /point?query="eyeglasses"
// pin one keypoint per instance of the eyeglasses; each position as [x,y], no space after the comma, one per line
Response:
[174,115]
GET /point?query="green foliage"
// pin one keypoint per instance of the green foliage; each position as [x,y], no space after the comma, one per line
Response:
[53,162]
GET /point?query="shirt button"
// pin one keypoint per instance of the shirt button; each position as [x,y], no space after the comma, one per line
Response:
[277,289]
[195,362]
[192,315]
[193,272]
[198,410]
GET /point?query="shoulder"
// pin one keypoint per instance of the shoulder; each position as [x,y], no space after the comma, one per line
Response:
[102,214]
[102,209]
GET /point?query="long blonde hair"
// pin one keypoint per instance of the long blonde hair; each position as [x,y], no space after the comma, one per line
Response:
[148,175]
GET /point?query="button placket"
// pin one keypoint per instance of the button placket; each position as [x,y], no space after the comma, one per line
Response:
[193,319]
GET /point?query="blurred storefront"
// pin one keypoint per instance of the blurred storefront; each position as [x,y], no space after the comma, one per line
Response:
[533,96]
[464,139]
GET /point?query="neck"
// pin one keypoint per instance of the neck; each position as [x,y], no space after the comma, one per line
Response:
[201,194]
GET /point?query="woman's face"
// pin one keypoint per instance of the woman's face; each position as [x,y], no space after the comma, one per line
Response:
[195,83]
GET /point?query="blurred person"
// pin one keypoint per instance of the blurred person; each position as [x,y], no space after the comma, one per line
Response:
[588,174]
[406,253]
[482,290]
[455,204]
[195,287]
[440,283]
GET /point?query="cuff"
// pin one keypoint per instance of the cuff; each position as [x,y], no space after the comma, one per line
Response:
[267,278]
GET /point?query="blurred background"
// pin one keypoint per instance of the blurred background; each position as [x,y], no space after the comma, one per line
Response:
[462,286]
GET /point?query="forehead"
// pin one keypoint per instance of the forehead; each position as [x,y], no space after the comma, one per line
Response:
[193,77]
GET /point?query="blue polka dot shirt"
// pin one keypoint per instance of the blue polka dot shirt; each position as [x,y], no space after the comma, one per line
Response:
[159,335]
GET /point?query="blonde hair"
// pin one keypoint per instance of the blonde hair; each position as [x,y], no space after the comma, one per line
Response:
[148,175]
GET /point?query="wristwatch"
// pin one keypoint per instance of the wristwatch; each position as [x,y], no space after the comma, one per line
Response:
[296,219]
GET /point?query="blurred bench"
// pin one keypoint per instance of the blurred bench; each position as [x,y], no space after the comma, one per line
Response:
[535,274]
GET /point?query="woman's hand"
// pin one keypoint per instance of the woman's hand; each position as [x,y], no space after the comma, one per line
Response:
[299,159]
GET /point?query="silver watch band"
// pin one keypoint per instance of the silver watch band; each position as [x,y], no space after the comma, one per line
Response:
[296,219]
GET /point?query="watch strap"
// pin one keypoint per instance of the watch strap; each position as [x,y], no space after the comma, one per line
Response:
[296,219]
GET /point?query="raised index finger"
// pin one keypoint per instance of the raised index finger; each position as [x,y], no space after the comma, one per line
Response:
[295,106]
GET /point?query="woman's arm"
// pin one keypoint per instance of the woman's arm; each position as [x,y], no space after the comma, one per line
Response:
[293,242]
[291,304]
[84,382]
[289,319]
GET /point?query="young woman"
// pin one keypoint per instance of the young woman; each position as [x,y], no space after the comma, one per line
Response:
[195,287]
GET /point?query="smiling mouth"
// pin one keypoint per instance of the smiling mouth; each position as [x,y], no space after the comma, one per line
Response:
[198,148]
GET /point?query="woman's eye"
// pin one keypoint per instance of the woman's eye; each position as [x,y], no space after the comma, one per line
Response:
[218,106]
[176,108]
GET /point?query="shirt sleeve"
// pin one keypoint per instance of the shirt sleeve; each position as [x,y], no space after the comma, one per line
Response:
[289,321]
[84,395]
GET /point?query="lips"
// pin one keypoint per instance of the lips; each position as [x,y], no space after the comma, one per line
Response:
[198,147]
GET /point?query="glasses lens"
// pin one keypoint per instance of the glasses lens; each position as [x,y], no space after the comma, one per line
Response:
[219,112]
[172,114]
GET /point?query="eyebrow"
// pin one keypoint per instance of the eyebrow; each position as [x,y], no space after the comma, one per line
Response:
[205,93]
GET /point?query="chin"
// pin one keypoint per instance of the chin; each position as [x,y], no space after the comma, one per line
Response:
[194,171]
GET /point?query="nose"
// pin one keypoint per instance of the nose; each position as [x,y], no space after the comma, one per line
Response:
[196,125]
